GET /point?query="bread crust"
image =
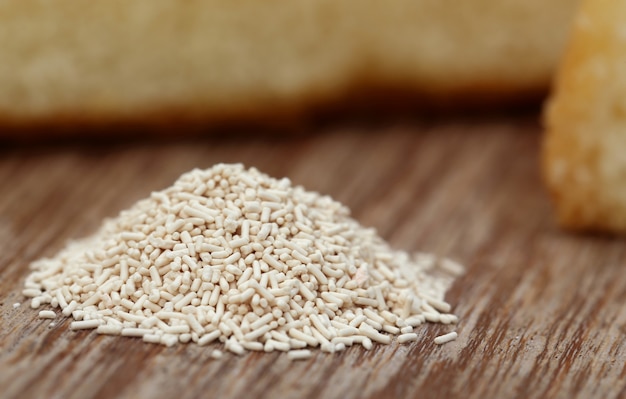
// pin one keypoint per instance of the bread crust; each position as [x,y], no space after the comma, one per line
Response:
[585,140]
[359,103]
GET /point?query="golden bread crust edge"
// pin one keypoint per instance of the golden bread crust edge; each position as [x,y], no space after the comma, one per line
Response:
[577,159]
[192,119]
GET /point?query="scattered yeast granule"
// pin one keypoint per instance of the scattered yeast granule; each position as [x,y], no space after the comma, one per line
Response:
[234,255]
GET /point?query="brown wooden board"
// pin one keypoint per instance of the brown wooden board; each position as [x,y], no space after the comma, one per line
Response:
[541,311]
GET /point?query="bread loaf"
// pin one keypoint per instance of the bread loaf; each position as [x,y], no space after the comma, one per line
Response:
[584,153]
[137,61]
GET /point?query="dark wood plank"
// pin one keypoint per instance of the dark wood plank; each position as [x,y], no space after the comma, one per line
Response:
[541,310]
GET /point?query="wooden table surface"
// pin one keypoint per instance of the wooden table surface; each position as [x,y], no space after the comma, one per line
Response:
[541,311]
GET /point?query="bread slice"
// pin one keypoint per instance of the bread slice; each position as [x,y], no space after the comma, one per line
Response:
[103,61]
[584,152]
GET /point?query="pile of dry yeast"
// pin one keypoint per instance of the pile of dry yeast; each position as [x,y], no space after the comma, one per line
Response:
[234,255]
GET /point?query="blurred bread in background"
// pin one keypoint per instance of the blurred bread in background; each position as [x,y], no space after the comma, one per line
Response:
[106,62]
[584,151]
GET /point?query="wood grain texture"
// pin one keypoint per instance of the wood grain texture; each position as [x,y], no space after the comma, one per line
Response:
[541,310]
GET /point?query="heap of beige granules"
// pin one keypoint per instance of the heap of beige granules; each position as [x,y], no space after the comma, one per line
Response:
[234,255]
